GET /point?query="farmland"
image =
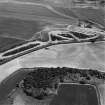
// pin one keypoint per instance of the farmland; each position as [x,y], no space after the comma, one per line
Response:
[75,94]
[20,29]
[66,11]
[96,16]
[7,43]
[38,78]
[85,61]
[19,22]
[39,11]
[69,55]
[9,84]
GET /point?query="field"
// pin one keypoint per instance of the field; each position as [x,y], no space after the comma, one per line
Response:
[7,43]
[72,94]
[70,55]
[19,23]
[20,29]
[15,32]
[97,16]
[9,83]
[66,11]
[38,78]
[38,11]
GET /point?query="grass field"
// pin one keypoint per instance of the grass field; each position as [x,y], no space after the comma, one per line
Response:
[9,83]
[70,94]
[35,9]
[20,29]
[23,21]
[69,55]
[7,43]
[20,22]
[96,16]
[30,9]
[65,11]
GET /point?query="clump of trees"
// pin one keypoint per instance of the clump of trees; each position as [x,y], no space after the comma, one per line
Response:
[42,81]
